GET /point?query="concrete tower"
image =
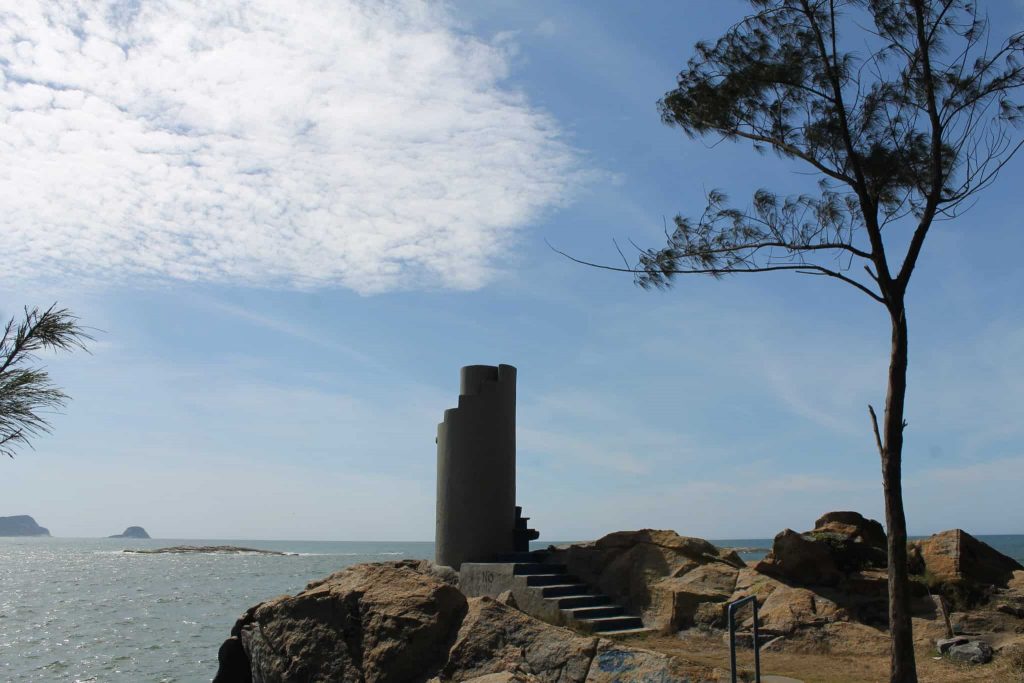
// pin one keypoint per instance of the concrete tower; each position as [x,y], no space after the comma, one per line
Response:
[476,469]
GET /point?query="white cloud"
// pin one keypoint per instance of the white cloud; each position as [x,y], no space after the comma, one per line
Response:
[318,143]
[547,28]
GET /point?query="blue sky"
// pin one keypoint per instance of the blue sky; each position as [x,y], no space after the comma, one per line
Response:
[291,231]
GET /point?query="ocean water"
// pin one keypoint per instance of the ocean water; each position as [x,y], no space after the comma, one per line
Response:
[82,610]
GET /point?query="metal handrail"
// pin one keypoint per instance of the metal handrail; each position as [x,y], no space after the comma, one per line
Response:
[733,607]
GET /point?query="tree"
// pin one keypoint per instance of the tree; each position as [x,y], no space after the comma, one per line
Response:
[903,127]
[25,390]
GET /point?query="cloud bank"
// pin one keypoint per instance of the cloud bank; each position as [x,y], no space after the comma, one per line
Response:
[369,145]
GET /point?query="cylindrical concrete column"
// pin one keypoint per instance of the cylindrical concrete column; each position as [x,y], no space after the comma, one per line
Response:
[476,468]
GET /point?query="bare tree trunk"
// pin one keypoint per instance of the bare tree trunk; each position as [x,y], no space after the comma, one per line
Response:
[902,665]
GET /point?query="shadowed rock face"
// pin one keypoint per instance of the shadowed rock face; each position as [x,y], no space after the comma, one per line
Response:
[405,621]
[21,525]
[132,532]
[839,543]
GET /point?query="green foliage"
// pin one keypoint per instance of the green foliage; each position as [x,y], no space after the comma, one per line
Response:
[26,391]
[910,117]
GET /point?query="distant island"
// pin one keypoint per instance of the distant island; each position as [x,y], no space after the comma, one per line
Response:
[21,525]
[132,532]
[206,549]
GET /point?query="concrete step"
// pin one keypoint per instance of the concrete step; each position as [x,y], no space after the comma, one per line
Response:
[575,601]
[537,568]
[562,590]
[550,579]
[620,623]
[532,556]
[595,612]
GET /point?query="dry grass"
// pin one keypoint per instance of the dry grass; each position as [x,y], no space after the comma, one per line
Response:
[1014,656]
[840,653]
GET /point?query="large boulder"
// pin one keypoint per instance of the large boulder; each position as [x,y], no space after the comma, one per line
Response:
[852,526]
[402,621]
[782,608]
[956,557]
[676,601]
[802,559]
[840,543]
[646,572]
[496,639]
[373,622]
[788,609]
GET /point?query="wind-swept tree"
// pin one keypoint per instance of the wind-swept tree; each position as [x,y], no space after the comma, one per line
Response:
[26,391]
[905,120]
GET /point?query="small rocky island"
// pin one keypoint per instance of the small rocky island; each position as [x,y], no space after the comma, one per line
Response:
[205,550]
[132,532]
[21,525]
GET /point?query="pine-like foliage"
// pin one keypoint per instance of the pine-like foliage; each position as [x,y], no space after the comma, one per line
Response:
[907,116]
[26,391]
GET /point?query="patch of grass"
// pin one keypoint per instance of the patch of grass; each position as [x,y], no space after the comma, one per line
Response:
[1014,655]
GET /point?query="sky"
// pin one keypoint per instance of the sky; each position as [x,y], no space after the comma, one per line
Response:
[288,230]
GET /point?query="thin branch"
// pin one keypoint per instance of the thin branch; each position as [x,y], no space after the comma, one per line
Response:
[821,270]
[874,426]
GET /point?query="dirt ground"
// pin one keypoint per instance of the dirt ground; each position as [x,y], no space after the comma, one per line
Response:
[843,653]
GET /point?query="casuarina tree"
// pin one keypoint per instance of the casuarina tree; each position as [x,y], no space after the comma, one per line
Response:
[904,111]
[26,391]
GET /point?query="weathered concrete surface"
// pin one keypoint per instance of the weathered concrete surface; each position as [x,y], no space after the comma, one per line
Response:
[476,469]
[490,579]
[497,578]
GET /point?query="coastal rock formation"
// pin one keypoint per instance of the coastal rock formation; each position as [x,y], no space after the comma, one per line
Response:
[956,557]
[204,549]
[966,571]
[647,572]
[21,525]
[401,621]
[834,573]
[132,532]
[840,543]
[782,608]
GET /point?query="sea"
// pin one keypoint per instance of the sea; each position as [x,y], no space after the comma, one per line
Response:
[80,610]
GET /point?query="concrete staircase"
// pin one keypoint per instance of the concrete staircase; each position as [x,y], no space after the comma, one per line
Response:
[554,591]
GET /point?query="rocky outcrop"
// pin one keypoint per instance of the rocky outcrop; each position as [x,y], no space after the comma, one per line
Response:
[132,532]
[204,550]
[956,557]
[839,543]
[782,608]
[649,573]
[404,621]
[21,525]
[966,571]
[802,559]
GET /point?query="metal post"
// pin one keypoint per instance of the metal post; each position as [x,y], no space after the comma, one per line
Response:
[733,607]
